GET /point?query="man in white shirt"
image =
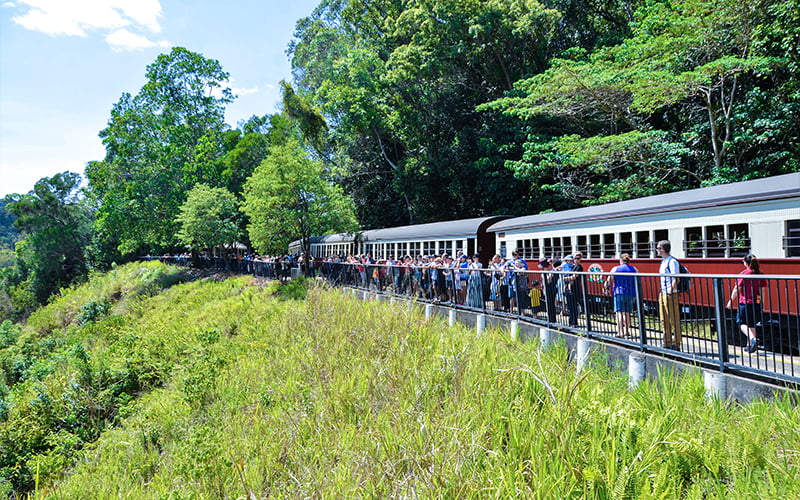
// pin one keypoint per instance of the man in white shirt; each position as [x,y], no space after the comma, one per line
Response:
[668,307]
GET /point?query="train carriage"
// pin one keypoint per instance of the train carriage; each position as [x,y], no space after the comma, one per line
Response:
[469,236]
[710,228]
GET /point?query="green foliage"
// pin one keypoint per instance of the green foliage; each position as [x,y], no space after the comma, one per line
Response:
[92,311]
[335,397]
[688,78]
[288,198]
[55,224]
[400,86]
[208,218]
[159,143]
[8,233]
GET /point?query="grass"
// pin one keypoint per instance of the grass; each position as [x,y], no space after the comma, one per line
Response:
[255,395]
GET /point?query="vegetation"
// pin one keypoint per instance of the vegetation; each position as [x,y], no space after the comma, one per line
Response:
[287,197]
[55,228]
[446,109]
[225,389]
[433,111]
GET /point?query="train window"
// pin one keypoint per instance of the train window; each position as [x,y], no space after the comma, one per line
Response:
[715,241]
[581,246]
[625,243]
[548,248]
[608,246]
[566,246]
[528,249]
[595,250]
[738,240]
[643,245]
[693,244]
[658,235]
[791,242]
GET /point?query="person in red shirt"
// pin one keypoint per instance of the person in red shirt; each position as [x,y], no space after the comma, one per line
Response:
[747,294]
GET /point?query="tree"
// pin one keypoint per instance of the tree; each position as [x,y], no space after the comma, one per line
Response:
[398,83]
[159,144]
[55,226]
[208,218]
[661,110]
[288,198]
[8,233]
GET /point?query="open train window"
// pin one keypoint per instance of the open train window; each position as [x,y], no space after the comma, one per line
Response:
[693,243]
[594,246]
[608,246]
[625,243]
[738,240]
[658,235]
[643,250]
[791,242]
[581,246]
[716,243]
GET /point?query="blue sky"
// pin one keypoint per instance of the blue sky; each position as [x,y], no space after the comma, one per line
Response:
[64,63]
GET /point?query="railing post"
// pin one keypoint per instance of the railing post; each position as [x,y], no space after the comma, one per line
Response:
[719,313]
[640,313]
[586,310]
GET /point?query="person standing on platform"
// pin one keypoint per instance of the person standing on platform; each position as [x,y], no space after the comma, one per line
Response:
[550,286]
[623,289]
[668,306]
[475,284]
[747,295]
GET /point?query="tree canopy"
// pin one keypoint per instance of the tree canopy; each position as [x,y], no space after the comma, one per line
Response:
[208,218]
[55,227]
[288,197]
[159,143]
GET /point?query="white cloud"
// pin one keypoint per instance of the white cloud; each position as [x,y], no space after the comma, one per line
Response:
[122,39]
[243,91]
[80,17]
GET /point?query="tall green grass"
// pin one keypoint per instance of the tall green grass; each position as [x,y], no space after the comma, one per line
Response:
[254,396]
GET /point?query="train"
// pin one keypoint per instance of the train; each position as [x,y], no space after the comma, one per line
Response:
[710,229]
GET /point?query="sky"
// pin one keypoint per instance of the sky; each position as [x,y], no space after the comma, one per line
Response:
[65,63]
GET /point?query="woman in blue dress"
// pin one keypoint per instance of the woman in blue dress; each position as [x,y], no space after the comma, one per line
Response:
[475,284]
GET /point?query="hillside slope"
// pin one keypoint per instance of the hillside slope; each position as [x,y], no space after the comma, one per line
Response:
[225,389]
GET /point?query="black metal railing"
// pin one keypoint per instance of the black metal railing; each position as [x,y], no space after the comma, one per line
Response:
[707,327]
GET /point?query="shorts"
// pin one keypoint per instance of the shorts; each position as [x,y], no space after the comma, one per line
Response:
[623,303]
[748,314]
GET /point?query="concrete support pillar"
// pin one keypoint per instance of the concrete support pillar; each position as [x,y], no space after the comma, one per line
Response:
[514,328]
[428,311]
[451,317]
[584,348]
[480,323]
[365,295]
[545,337]
[716,385]
[636,368]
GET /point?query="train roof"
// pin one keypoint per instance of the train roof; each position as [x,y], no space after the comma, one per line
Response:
[433,230]
[768,188]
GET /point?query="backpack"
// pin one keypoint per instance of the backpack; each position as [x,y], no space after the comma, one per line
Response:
[685,283]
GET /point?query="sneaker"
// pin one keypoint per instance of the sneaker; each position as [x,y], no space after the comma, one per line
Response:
[752,346]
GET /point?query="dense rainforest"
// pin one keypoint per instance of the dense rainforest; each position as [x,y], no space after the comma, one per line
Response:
[409,112]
